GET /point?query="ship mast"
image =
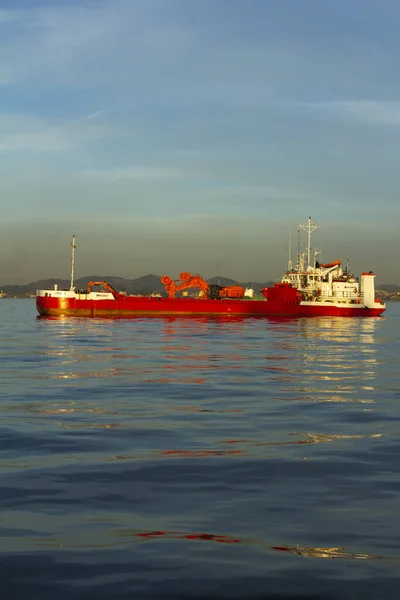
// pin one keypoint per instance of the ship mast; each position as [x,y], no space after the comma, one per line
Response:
[309,228]
[298,249]
[73,246]
[290,264]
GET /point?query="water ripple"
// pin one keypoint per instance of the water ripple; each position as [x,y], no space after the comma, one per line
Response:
[148,457]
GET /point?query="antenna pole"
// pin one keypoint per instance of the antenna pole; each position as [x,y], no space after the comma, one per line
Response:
[298,248]
[290,250]
[309,228]
[73,246]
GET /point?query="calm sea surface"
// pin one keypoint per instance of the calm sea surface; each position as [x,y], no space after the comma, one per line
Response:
[199,458]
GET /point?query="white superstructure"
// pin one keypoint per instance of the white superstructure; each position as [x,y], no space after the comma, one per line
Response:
[78,294]
[328,282]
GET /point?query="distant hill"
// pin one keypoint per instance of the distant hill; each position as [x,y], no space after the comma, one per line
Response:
[141,285]
[151,283]
[389,287]
[256,285]
[224,281]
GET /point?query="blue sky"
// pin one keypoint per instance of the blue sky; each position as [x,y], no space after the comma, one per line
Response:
[174,135]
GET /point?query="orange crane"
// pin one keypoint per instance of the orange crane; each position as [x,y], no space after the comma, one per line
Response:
[106,287]
[187,280]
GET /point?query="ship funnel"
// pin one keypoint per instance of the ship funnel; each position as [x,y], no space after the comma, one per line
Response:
[368,288]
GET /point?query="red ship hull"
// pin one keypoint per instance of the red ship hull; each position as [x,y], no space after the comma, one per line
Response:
[128,306]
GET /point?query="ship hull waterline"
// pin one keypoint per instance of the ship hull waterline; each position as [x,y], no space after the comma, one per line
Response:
[128,307]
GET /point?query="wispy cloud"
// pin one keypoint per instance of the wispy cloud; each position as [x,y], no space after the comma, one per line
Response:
[138,51]
[27,133]
[370,112]
[96,114]
[142,173]
[48,40]
[10,16]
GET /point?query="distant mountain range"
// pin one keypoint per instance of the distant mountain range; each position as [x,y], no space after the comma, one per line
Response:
[151,283]
[141,285]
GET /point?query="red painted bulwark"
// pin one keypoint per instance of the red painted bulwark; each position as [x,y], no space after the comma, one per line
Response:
[126,306]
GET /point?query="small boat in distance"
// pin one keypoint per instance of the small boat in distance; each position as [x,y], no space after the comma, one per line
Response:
[310,289]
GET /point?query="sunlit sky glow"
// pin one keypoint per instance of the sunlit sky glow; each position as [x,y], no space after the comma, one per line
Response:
[172,135]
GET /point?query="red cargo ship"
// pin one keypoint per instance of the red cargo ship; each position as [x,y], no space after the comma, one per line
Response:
[308,290]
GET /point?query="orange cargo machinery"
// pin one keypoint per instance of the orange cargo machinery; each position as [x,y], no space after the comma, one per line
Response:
[187,280]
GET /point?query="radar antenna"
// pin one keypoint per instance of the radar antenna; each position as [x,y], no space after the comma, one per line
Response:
[73,246]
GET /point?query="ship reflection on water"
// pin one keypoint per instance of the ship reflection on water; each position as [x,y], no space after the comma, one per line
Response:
[79,342]
[305,551]
[326,553]
[322,360]
[126,537]
[328,360]
[309,552]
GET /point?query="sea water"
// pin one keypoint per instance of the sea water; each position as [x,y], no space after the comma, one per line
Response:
[199,457]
